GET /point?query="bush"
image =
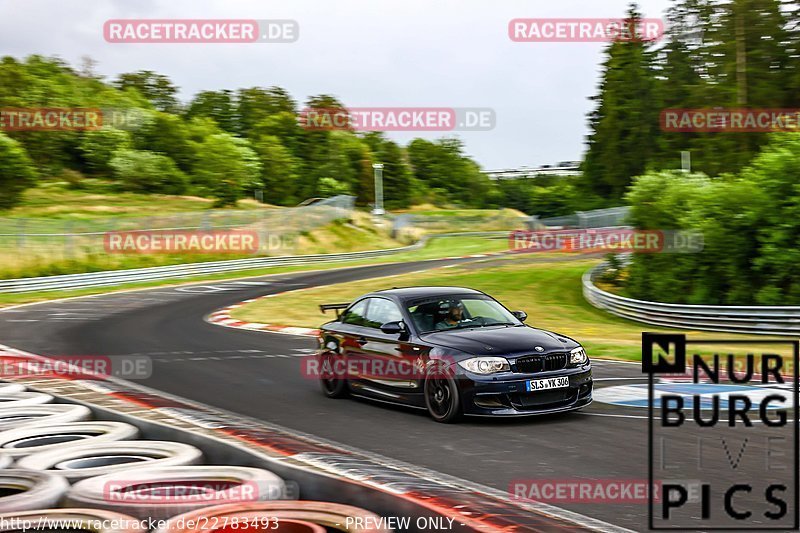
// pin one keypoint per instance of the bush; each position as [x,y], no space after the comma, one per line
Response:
[17,172]
[74,179]
[98,147]
[146,172]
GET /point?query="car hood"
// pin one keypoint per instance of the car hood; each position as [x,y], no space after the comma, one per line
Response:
[503,341]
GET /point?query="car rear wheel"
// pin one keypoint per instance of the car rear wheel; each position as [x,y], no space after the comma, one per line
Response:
[442,398]
[334,384]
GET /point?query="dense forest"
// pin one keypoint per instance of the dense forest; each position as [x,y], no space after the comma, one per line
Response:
[225,145]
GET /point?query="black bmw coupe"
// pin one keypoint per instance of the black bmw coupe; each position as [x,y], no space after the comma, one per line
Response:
[450,350]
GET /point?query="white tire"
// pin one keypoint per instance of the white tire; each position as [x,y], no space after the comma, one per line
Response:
[8,387]
[23,399]
[16,443]
[30,490]
[161,493]
[96,459]
[78,519]
[41,415]
[5,462]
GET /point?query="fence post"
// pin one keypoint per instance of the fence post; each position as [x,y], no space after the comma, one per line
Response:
[68,240]
[21,234]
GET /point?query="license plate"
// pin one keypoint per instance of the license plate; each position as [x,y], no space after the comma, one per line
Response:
[543,384]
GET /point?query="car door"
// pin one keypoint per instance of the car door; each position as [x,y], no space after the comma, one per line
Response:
[351,330]
[391,371]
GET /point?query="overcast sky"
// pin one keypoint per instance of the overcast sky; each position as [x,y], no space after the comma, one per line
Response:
[368,53]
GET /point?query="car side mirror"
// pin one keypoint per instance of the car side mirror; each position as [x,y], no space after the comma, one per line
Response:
[521,315]
[393,328]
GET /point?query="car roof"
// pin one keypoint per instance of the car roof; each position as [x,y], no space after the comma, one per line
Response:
[405,293]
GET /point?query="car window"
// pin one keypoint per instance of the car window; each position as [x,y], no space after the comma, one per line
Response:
[356,314]
[484,308]
[382,311]
[451,312]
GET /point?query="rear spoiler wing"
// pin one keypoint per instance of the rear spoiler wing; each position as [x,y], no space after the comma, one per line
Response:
[336,307]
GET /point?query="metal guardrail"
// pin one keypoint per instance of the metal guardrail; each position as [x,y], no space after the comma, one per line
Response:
[598,218]
[755,320]
[71,239]
[120,277]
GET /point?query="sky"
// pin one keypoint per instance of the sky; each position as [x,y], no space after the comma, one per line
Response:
[368,53]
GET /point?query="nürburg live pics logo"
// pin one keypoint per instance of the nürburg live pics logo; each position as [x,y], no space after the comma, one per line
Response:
[722,433]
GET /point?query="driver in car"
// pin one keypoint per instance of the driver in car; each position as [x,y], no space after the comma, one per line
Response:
[454,317]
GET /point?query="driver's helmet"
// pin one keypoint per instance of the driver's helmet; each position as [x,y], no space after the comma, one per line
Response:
[446,305]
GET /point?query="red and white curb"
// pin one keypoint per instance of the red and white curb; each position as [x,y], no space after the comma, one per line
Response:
[222,317]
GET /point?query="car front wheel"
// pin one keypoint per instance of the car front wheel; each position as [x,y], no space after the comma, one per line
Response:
[442,398]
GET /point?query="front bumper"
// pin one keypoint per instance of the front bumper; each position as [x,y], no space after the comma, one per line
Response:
[505,395]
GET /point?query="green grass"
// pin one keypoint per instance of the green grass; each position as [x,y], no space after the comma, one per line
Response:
[435,248]
[549,292]
[54,200]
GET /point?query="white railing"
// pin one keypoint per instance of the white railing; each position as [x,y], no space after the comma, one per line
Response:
[138,275]
[757,320]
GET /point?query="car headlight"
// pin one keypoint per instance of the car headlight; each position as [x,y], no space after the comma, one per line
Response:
[485,365]
[578,356]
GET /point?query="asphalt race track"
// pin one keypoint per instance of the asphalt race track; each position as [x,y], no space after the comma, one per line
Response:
[258,374]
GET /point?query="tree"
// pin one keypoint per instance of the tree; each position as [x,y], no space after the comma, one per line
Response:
[156,88]
[216,105]
[97,148]
[225,167]
[399,185]
[623,124]
[17,172]
[279,170]
[171,136]
[256,104]
[443,169]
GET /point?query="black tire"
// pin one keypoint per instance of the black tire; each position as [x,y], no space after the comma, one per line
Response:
[333,385]
[442,397]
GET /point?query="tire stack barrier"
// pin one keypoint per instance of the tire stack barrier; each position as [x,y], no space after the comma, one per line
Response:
[42,415]
[127,492]
[60,470]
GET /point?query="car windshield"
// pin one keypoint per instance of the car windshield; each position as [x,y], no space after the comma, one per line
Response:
[443,313]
